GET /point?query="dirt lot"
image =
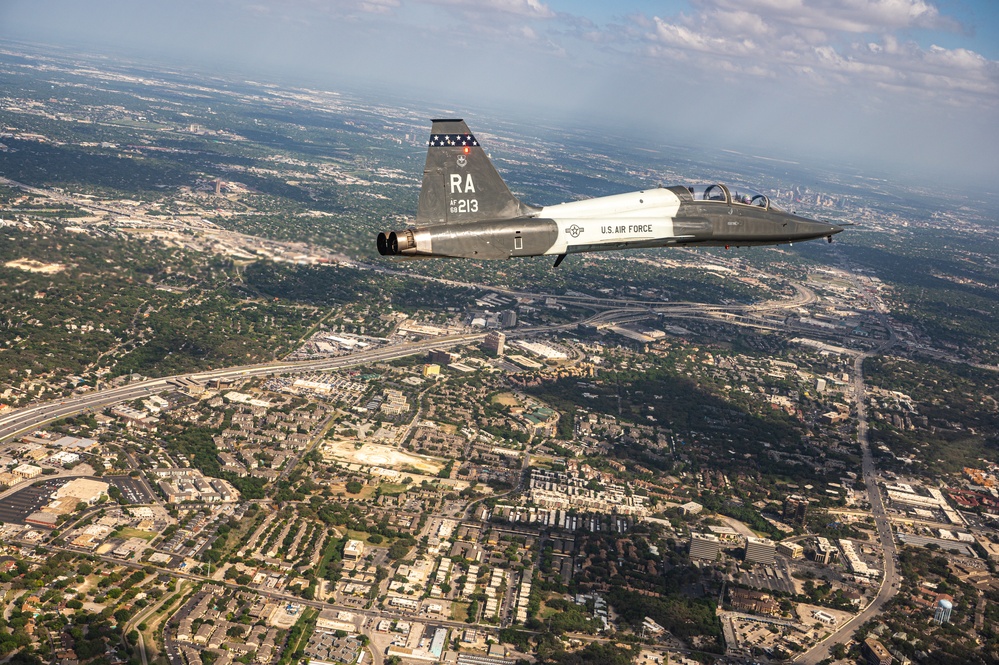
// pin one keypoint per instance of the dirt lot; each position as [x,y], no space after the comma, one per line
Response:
[506,399]
[386,457]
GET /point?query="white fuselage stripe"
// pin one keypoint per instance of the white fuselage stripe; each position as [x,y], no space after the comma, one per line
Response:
[636,217]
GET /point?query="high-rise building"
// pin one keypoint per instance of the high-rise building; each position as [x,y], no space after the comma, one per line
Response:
[942,612]
[795,509]
[704,546]
[440,357]
[508,319]
[760,550]
[493,343]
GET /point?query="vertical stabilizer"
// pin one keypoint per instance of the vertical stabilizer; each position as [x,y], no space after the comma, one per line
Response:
[460,183]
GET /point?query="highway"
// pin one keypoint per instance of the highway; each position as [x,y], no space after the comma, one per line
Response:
[31,417]
[891,579]
[803,296]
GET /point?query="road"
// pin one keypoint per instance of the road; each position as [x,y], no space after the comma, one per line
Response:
[614,311]
[28,418]
[139,618]
[890,580]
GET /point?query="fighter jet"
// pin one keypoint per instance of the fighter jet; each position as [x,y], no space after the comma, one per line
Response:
[466,210]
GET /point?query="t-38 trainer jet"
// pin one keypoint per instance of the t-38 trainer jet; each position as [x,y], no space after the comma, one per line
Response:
[466,210]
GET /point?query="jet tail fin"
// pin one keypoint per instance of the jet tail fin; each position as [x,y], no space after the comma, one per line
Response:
[460,183]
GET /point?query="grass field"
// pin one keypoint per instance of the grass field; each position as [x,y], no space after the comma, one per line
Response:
[392,489]
[366,492]
[129,532]
[459,611]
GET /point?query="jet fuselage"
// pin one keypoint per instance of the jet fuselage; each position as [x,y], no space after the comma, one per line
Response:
[468,212]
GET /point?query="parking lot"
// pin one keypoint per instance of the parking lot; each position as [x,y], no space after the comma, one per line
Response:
[135,490]
[18,506]
[774,578]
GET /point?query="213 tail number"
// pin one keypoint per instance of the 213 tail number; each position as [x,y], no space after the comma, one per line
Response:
[458,206]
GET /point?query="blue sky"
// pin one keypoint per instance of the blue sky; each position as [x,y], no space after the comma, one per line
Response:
[910,87]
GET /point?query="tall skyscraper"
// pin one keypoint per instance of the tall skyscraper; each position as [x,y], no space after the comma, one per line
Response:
[493,343]
[795,509]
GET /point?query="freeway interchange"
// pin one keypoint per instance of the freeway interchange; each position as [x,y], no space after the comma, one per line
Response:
[609,311]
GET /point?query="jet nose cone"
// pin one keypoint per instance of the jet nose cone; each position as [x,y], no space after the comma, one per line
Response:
[812,229]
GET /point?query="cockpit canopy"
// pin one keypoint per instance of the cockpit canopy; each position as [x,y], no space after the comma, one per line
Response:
[723,194]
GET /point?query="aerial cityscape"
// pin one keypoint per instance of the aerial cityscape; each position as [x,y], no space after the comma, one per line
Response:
[233,432]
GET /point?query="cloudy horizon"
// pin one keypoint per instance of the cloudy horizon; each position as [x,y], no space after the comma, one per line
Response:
[907,87]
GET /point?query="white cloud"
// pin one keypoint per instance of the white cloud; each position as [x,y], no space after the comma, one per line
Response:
[522,8]
[379,6]
[856,16]
[682,37]
[815,40]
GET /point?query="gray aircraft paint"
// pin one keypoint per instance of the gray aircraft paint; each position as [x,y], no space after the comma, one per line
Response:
[460,183]
[466,210]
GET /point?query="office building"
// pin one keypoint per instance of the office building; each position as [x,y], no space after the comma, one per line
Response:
[704,546]
[760,550]
[790,550]
[440,357]
[353,550]
[493,343]
[825,551]
[795,509]
[875,653]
